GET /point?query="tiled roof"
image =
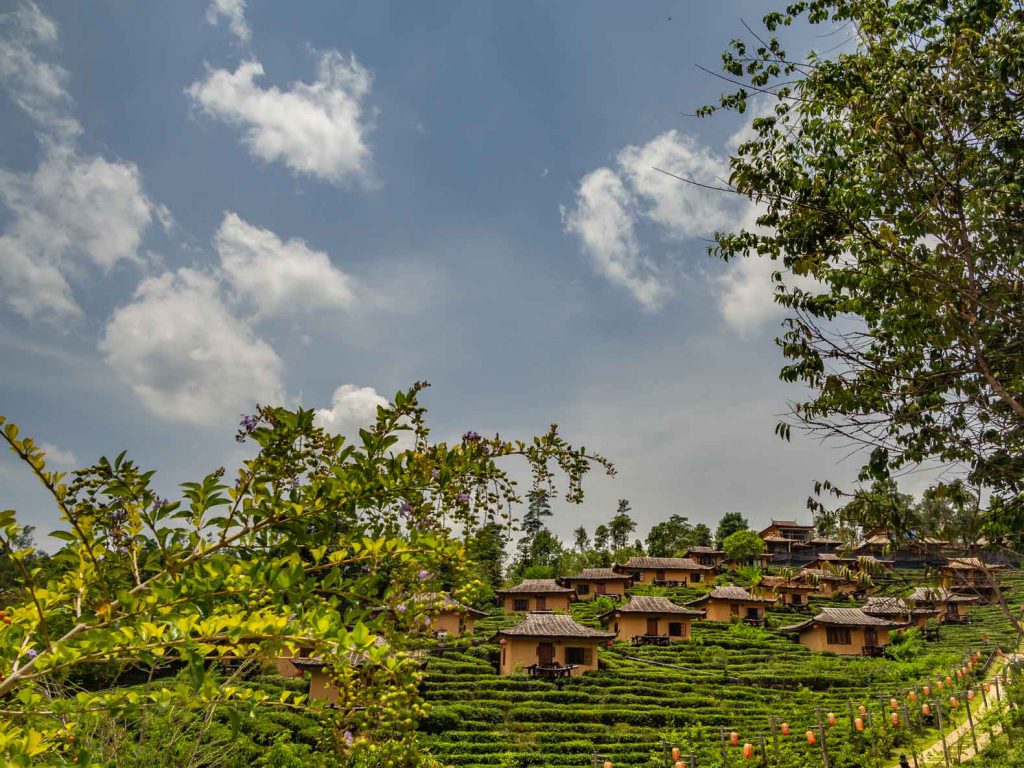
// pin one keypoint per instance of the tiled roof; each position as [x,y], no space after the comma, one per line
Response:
[969,564]
[594,574]
[535,586]
[829,557]
[553,625]
[842,617]
[731,593]
[825,540]
[665,563]
[885,606]
[938,595]
[776,582]
[640,604]
[704,551]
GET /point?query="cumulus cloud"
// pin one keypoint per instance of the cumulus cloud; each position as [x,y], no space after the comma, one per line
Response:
[72,209]
[279,277]
[233,11]
[186,355]
[603,219]
[352,408]
[58,457]
[318,129]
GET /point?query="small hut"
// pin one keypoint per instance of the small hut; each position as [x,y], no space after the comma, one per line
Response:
[665,571]
[709,556]
[535,595]
[450,618]
[970,576]
[592,583]
[846,631]
[731,603]
[950,607]
[897,610]
[790,593]
[549,645]
[650,621]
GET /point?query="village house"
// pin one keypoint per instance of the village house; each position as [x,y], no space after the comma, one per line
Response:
[592,583]
[790,593]
[665,571]
[450,618]
[549,645]
[535,595]
[788,542]
[909,551]
[828,561]
[650,621]
[950,607]
[828,583]
[897,610]
[846,631]
[970,576]
[709,556]
[731,603]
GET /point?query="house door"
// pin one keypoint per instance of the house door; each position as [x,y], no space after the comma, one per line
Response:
[734,609]
[542,603]
[870,637]
[601,588]
[545,653]
[659,575]
[652,626]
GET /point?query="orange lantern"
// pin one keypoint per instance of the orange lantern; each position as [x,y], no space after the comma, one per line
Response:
[785,729]
[811,740]
[862,709]
[675,754]
[895,719]
[734,739]
[858,723]
[926,710]
[970,695]
[949,680]
[503,641]
[680,764]
[953,703]
[748,750]
[831,718]
[960,674]
[894,704]
[912,696]
[938,685]
[607,764]
[927,691]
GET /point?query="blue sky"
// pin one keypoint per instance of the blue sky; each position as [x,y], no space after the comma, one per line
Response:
[205,204]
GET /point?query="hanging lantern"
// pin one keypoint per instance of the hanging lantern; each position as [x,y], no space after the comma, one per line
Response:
[893,704]
[895,718]
[748,750]
[679,764]
[938,685]
[503,641]
[675,754]
[912,695]
[785,729]
[734,739]
[607,764]
[927,691]
[858,723]
[926,710]
[960,674]
[949,680]
[831,718]
[970,695]
[953,703]
[811,740]
[862,709]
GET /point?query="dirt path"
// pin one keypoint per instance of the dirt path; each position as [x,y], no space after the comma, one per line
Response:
[932,755]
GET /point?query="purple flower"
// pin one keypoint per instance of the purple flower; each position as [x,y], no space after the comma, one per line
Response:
[423,574]
[426,621]
[31,653]
[401,608]
[248,423]
[464,497]
[470,437]
[406,509]
[347,736]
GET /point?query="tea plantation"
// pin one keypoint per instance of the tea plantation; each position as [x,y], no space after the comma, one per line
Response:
[731,677]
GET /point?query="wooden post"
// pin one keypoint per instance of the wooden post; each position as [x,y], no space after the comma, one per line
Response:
[970,720]
[725,753]
[764,752]
[874,741]
[938,712]
[999,709]
[910,729]
[693,760]
[824,747]
[775,739]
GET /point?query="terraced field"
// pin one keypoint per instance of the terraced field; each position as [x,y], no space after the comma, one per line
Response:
[729,676]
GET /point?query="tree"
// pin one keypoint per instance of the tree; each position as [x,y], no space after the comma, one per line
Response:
[701,535]
[239,570]
[581,541]
[743,546]
[728,525]
[671,537]
[621,526]
[485,548]
[601,538]
[888,180]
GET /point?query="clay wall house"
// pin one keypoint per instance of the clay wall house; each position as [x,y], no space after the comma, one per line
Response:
[592,583]
[665,571]
[788,542]
[846,631]
[950,607]
[970,576]
[535,595]
[549,645]
[709,556]
[655,620]
[729,603]
[790,593]
[897,610]
[450,618]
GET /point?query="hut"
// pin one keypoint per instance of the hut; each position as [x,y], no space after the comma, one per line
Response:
[790,593]
[970,576]
[650,621]
[665,571]
[730,603]
[592,583]
[449,617]
[950,607]
[709,556]
[788,542]
[896,609]
[828,561]
[549,645]
[846,631]
[535,595]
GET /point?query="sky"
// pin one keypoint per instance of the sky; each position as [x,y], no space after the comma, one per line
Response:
[205,205]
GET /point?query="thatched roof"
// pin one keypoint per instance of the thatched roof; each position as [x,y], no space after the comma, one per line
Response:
[970,564]
[893,606]
[542,624]
[843,617]
[536,587]
[658,605]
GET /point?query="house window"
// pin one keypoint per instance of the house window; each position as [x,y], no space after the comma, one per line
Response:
[838,636]
[520,604]
[580,656]
[582,589]
[753,613]
[695,578]
[675,629]
[797,599]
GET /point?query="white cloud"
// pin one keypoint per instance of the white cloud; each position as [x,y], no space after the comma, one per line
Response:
[682,209]
[318,129]
[57,456]
[352,408]
[185,355]
[234,12]
[604,220]
[279,277]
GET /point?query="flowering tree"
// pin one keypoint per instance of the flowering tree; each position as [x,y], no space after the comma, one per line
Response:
[316,544]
